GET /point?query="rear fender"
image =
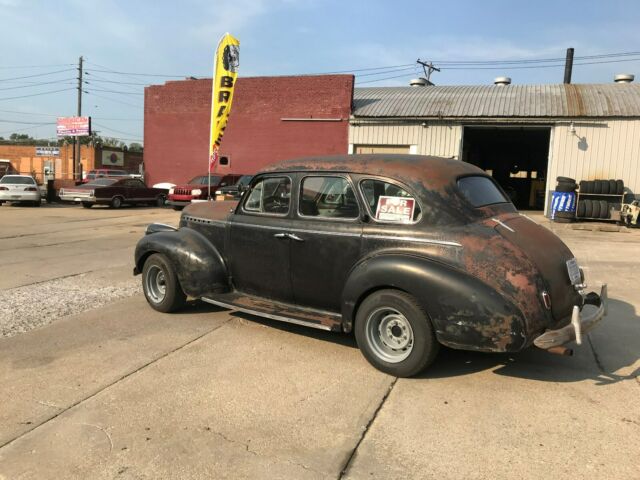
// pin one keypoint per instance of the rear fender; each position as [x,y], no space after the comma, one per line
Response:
[465,312]
[199,266]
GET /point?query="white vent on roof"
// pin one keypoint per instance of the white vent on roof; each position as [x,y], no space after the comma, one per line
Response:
[624,78]
[418,82]
[501,81]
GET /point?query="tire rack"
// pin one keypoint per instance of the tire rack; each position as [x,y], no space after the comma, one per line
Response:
[595,197]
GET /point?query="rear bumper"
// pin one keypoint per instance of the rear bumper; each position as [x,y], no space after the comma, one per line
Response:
[70,197]
[582,321]
[19,196]
[178,203]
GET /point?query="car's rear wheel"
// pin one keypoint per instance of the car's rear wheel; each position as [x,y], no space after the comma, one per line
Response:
[395,334]
[160,284]
[116,202]
[160,201]
[87,204]
[178,207]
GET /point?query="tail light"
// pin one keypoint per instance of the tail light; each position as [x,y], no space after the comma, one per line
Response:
[4,188]
[31,189]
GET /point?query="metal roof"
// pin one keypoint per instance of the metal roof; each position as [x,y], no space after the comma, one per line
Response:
[476,101]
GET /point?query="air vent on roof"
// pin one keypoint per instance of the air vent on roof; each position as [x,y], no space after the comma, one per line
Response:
[502,81]
[624,78]
[418,82]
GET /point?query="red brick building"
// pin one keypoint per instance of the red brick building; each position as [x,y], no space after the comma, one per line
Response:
[272,118]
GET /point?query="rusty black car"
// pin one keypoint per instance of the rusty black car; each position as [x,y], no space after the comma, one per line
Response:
[407,252]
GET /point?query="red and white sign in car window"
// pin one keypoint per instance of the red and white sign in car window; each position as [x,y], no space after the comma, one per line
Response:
[395,209]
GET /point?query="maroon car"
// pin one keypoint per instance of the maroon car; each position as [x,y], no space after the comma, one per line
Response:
[113,192]
[181,195]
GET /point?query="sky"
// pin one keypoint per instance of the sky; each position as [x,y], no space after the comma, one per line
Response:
[128,44]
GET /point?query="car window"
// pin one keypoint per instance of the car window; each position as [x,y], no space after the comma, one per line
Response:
[388,202]
[327,197]
[480,191]
[17,180]
[269,195]
[103,182]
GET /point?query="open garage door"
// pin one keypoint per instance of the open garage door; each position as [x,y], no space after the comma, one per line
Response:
[516,156]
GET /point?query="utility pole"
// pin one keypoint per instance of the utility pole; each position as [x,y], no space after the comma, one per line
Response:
[568,65]
[77,164]
[428,69]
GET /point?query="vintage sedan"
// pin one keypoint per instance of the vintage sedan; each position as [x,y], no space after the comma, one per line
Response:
[113,192]
[407,252]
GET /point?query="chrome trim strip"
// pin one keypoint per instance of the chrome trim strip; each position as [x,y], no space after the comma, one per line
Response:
[446,243]
[267,315]
[503,225]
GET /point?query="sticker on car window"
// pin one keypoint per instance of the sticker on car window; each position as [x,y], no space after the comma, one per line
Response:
[395,209]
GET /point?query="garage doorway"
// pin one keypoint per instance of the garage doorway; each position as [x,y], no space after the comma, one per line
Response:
[517,157]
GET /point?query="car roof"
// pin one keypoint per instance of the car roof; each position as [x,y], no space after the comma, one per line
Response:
[12,175]
[416,170]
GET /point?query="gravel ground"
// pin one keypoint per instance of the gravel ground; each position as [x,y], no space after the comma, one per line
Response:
[25,308]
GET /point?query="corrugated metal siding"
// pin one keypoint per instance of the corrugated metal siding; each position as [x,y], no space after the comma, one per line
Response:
[480,101]
[597,150]
[440,139]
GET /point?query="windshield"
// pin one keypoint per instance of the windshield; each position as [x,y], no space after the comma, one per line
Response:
[15,180]
[245,179]
[204,180]
[480,191]
[103,182]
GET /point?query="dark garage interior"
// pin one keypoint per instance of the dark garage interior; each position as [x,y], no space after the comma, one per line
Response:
[515,156]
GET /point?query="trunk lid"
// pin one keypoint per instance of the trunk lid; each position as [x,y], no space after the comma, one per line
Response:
[548,253]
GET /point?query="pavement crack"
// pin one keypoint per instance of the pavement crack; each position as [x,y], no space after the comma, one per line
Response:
[347,465]
[595,356]
[115,382]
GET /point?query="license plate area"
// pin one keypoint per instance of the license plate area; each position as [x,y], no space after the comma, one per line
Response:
[574,271]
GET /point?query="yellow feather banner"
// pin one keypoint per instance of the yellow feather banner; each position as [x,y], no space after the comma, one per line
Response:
[225,73]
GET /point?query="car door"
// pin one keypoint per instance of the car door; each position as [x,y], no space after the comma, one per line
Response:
[140,191]
[258,239]
[326,236]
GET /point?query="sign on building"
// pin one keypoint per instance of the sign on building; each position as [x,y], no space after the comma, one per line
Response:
[112,159]
[73,126]
[47,152]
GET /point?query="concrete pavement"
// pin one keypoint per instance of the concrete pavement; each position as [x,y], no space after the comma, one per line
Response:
[121,391]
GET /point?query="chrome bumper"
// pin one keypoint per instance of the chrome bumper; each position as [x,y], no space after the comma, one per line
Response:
[70,197]
[582,321]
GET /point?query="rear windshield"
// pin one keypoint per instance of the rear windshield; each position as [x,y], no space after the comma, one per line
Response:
[480,191]
[103,181]
[204,180]
[17,180]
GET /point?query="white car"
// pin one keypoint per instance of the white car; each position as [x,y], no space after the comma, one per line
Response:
[19,188]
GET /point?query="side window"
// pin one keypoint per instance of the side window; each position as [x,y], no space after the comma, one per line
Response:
[269,195]
[327,197]
[389,203]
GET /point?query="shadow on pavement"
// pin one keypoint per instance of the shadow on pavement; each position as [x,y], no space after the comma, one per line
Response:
[612,346]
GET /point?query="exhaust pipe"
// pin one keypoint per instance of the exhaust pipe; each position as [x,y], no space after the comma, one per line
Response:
[561,350]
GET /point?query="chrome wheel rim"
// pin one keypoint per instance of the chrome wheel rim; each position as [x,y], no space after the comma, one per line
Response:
[156,284]
[389,334]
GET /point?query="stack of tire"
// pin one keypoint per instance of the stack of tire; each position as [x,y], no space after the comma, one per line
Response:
[594,207]
[563,203]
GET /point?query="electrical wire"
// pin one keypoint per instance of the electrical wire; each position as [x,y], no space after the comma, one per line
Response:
[17,67]
[37,75]
[113,100]
[115,91]
[111,129]
[37,94]
[64,81]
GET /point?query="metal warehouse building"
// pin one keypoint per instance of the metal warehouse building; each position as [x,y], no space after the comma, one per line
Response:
[524,135]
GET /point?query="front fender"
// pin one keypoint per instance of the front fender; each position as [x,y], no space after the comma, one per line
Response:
[199,266]
[466,313]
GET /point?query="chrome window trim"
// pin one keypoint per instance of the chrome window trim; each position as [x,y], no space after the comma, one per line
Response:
[397,184]
[260,214]
[335,175]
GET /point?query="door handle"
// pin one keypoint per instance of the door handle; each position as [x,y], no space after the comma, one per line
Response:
[280,235]
[293,236]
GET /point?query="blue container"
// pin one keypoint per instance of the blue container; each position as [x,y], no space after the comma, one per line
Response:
[562,202]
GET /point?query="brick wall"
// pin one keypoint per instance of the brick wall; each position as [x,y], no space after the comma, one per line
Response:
[176,129]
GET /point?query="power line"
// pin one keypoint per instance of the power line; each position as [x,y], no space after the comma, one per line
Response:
[137,73]
[99,79]
[114,91]
[26,123]
[382,79]
[508,67]
[17,67]
[37,75]
[113,100]
[533,60]
[37,94]
[111,129]
[65,81]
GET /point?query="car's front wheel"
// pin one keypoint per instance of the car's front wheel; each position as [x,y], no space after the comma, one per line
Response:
[395,334]
[160,284]
[87,204]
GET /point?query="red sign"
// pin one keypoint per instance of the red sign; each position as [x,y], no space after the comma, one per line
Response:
[395,209]
[73,126]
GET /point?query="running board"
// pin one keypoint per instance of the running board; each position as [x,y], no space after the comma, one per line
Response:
[282,312]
